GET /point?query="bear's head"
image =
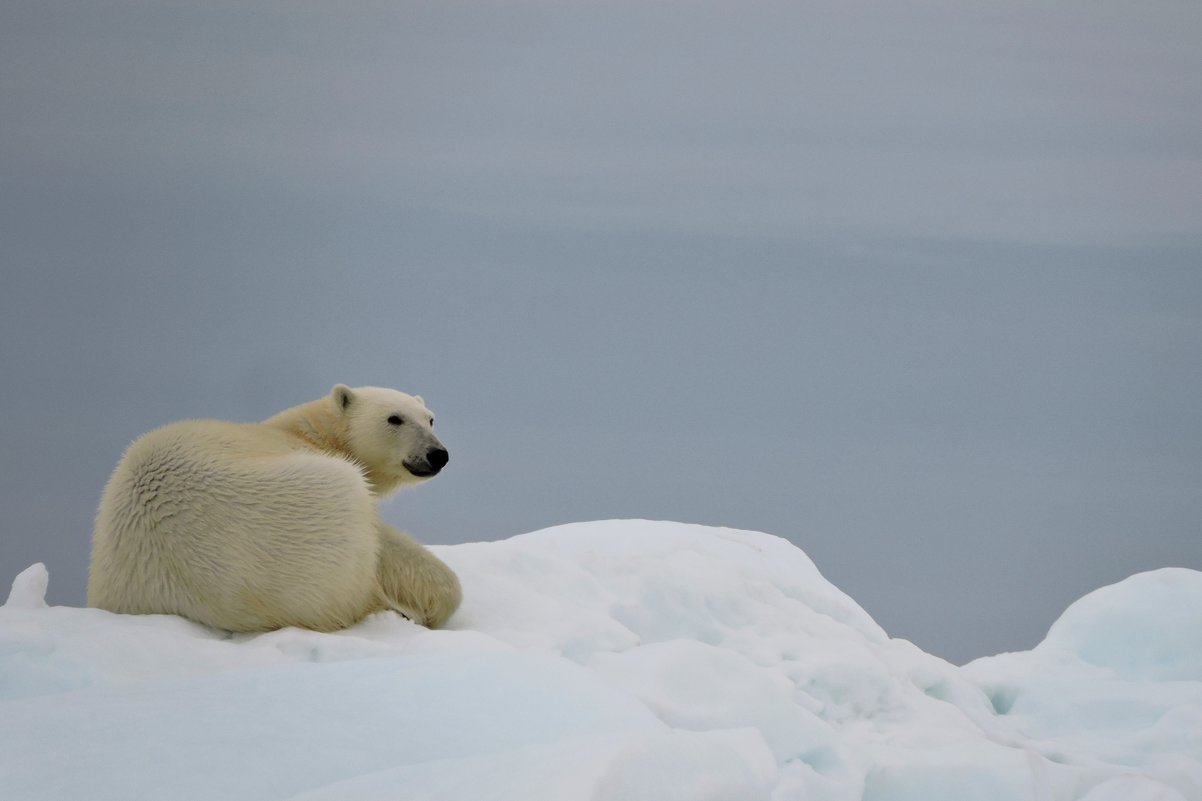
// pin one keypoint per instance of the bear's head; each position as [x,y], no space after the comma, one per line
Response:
[390,434]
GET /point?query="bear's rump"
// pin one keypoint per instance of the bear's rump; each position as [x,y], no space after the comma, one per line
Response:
[249,541]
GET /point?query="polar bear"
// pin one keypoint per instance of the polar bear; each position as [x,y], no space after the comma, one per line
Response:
[257,526]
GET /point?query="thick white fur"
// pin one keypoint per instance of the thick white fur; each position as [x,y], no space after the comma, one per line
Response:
[257,526]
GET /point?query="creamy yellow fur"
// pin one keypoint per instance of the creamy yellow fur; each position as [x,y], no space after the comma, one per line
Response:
[256,526]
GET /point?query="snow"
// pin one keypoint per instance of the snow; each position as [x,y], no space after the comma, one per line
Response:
[607,661]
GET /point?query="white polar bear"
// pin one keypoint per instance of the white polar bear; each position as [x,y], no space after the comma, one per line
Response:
[257,526]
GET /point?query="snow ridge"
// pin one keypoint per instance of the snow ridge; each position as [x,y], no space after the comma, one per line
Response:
[613,660]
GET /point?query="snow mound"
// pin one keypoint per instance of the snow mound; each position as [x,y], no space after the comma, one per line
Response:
[607,661]
[1147,626]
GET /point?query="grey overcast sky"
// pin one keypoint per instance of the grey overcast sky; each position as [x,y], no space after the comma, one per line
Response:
[916,285]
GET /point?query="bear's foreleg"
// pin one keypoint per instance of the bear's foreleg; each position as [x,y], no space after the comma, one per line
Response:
[415,582]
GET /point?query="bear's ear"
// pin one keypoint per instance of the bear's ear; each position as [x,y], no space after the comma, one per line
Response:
[343,397]
[418,398]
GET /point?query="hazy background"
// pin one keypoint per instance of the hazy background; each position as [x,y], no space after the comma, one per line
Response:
[915,285]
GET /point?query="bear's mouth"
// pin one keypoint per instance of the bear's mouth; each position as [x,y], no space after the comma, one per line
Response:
[421,471]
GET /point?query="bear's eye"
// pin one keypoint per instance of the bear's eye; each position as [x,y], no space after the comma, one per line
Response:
[431,422]
[395,420]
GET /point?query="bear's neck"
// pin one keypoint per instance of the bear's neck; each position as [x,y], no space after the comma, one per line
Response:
[318,425]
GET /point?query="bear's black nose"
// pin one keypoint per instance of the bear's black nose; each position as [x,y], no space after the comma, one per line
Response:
[438,458]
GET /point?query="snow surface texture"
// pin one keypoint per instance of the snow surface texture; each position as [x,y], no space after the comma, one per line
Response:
[608,661]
